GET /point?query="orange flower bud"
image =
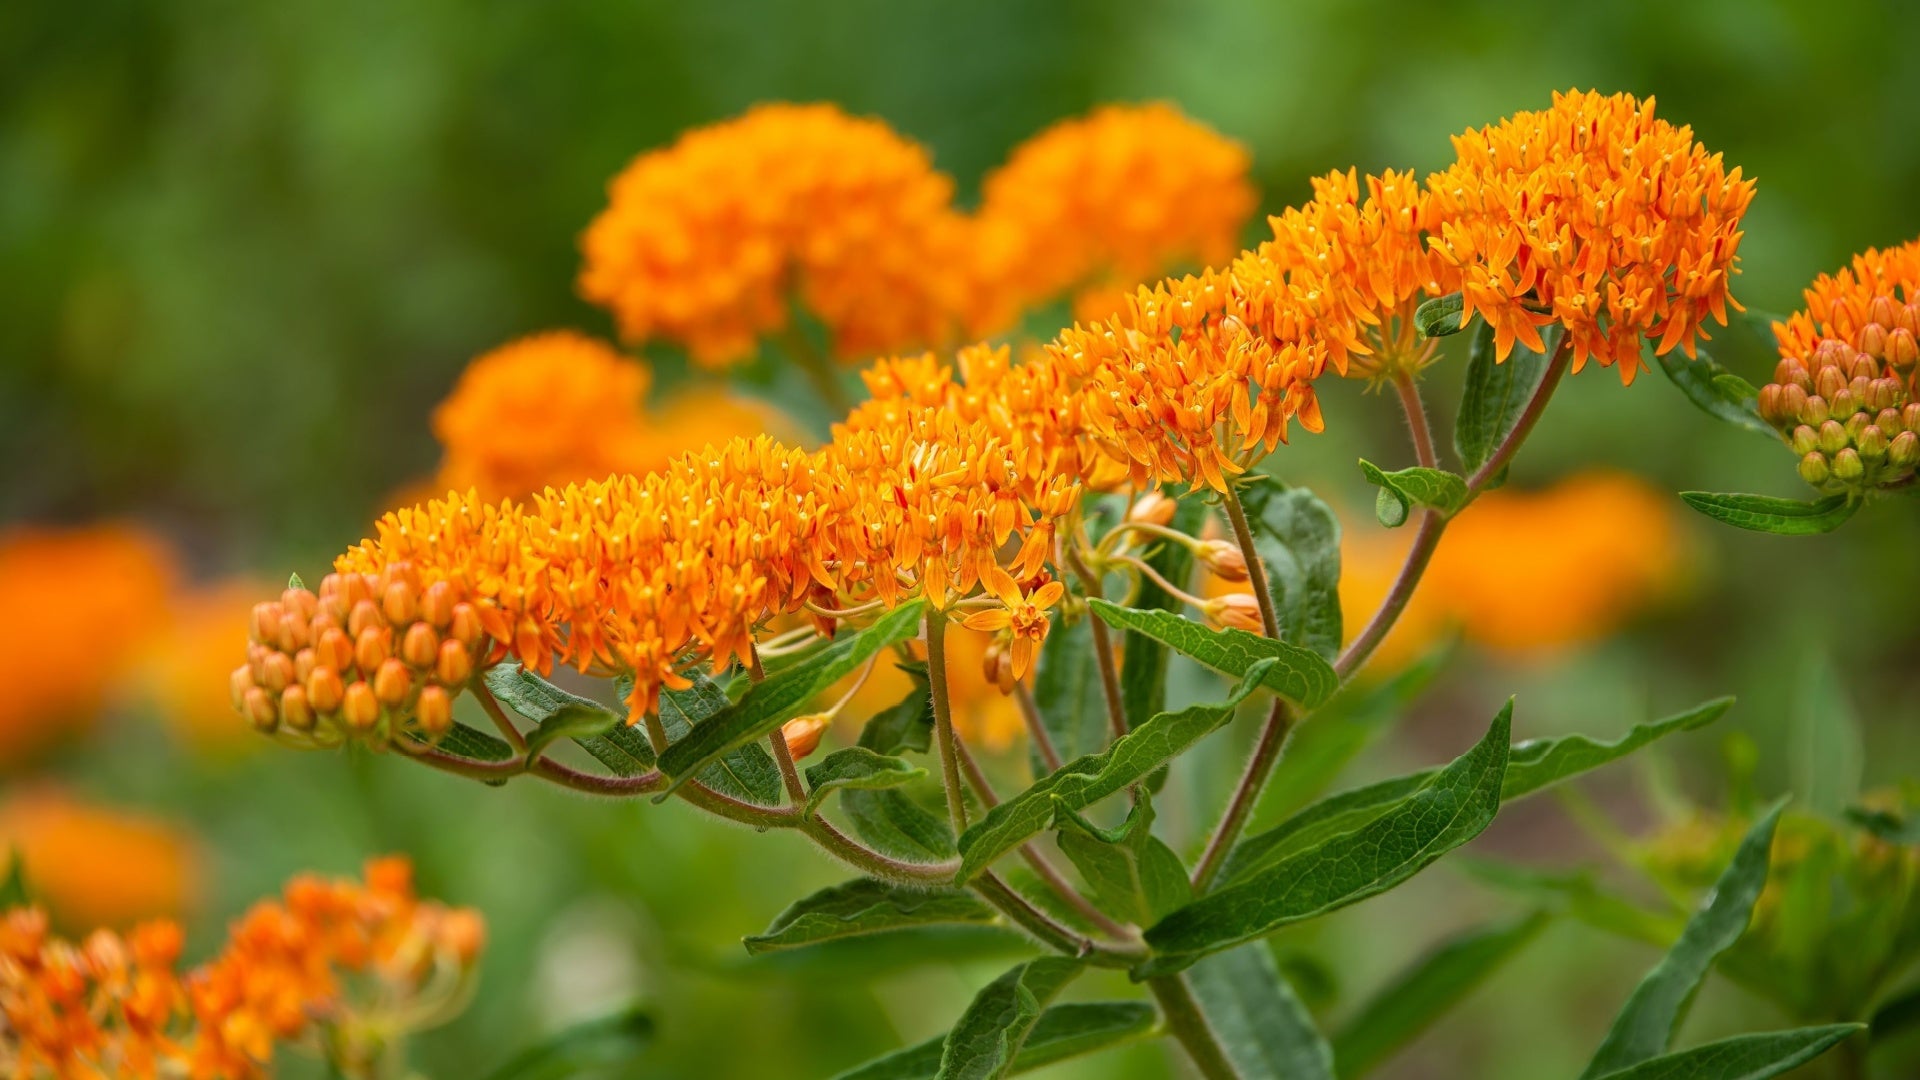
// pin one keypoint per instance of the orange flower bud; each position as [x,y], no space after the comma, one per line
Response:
[996,664]
[260,710]
[1814,469]
[264,626]
[434,710]
[325,690]
[360,709]
[371,649]
[392,682]
[365,616]
[1902,348]
[465,626]
[420,646]
[300,602]
[278,671]
[1805,440]
[1872,444]
[334,650]
[1223,560]
[295,710]
[803,733]
[453,666]
[238,684]
[1237,611]
[1153,508]
[303,664]
[1904,451]
[399,604]
[436,605]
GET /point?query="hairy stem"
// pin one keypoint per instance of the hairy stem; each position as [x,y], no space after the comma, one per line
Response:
[508,730]
[1246,794]
[1256,570]
[936,635]
[1103,653]
[1188,1026]
[1416,410]
[1037,727]
[860,857]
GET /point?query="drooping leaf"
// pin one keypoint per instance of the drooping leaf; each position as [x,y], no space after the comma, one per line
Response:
[622,749]
[1062,1032]
[1297,674]
[856,767]
[1644,1028]
[1400,491]
[768,704]
[1143,675]
[1418,997]
[896,825]
[1445,812]
[1266,1033]
[1497,393]
[585,1048]
[988,1036]
[866,906]
[1716,391]
[1297,537]
[1532,765]
[1133,875]
[470,743]
[747,773]
[1067,691]
[907,725]
[1440,316]
[570,722]
[1087,780]
[1782,517]
[1743,1057]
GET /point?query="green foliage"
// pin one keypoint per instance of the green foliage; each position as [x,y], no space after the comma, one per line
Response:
[1295,673]
[857,767]
[1828,754]
[1718,392]
[866,906]
[1133,875]
[1062,1032]
[1417,998]
[13,889]
[1087,780]
[470,743]
[570,722]
[907,725]
[1143,674]
[1400,491]
[1443,813]
[1442,316]
[1297,537]
[1743,1057]
[1067,691]
[622,749]
[986,1040]
[1765,513]
[897,826]
[1497,393]
[588,1047]
[1264,1030]
[746,773]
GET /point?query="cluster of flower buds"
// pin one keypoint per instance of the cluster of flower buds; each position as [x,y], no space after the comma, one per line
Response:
[1849,413]
[363,657]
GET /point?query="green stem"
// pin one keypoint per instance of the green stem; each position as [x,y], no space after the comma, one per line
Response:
[1188,1025]
[1103,653]
[936,635]
[1256,571]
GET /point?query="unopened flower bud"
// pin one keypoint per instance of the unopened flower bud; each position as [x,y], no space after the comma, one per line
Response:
[263,628]
[1791,372]
[1237,611]
[260,710]
[1904,451]
[238,683]
[1771,406]
[366,616]
[1902,348]
[1889,421]
[325,690]
[334,649]
[1910,416]
[1829,381]
[295,710]
[996,664]
[1222,559]
[1814,469]
[436,604]
[803,733]
[294,632]
[1872,444]
[1153,508]
[1856,424]
[466,627]
[1814,411]
[278,669]
[303,664]
[1805,440]
[1833,437]
[1843,403]
[1883,310]
[453,665]
[1847,466]
[392,682]
[1885,393]
[371,649]
[360,709]
[399,604]
[421,646]
[434,711]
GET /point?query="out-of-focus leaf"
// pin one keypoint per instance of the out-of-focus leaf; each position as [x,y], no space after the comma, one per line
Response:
[13,891]
[1421,994]
[1067,691]
[1400,491]
[1297,537]
[1829,752]
[866,906]
[1892,827]
[897,826]
[1133,875]
[596,1044]
[1899,1013]
[907,725]
[1085,781]
[1574,893]
[1441,316]
[1262,1027]
[1743,1057]
[988,1037]
[1718,393]
[571,722]
[1497,393]
[1782,517]
[1747,343]
[1297,674]
[1644,1029]
[1448,810]
[1062,1032]
[857,767]
[1143,675]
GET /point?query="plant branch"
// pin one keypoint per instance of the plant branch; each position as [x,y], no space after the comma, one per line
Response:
[507,728]
[1416,410]
[1188,1025]
[936,635]
[1037,727]
[1246,794]
[853,853]
[1256,571]
[1103,653]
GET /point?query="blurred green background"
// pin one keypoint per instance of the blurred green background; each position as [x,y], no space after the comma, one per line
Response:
[244,248]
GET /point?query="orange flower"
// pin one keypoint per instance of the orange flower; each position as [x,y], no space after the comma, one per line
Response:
[94,866]
[702,241]
[1022,613]
[1369,563]
[83,601]
[1873,305]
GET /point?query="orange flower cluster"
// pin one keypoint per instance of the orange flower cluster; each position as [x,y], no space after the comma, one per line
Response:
[114,1006]
[94,866]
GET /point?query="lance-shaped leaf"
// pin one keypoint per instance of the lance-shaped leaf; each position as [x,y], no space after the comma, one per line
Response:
[1532,765]
[571,722]
[583,1049]
[1743,1057]
[1714,390]
[987,1039]
[1295,673]
[1497,393]
[1067,691]
[1062,1032]
[1297,537]
[1264,1030]
[622,749]
[1143,674]
[1782,517]
[907,725]
[746,773]
[1445,812]
[767,705]
[856,767]
[470,743]
[899,827]
[1441,316]
[866,906]
[1087,780]
[1418,997]
[1644,1029]
[1134,876]
[1400,491]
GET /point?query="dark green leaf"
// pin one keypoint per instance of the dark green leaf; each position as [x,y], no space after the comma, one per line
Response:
[1450,809]
[597,1044]
[1084,781]
[13,891]
[857,767]
[1539,763]
[622,749]
[898,826]
[1894,828]
[1062,1032]
[1435,489]
[783,696]
[907,725]
[1441,316]
[1644,1029]
[1764,513]
[1143,675]
[1133,875]
[866,906]
[571,722]
[470,743]
[1297,674]
[989,1035]
[1421,994]
[1898,1014]
[1266,1033]
[1067,690]
[747,773]
[1718,392]
[1743,1057]
[1297,537]
[1497,394]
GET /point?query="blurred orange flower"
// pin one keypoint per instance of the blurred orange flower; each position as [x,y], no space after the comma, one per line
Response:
[189,661]
[94,866]
[982,715]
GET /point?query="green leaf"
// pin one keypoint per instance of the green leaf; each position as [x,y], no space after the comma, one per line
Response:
[1143,674]
[1532,765]
[622,749]
[897,826]
[1085,781]
[1062,1032]
[907,725]
[1899,1013]
[13,890]
[1829,756]
[1441,316]
[1067,690]
[856,767]
[1133,875]
[468,742]
[1297,537]
[1450,809]
[1764,513]
[783,696]
[597,1044]
[1297,674]
[1266,1033]
[747,773]
[866,906]
[1497,394]
[1743,1057]
[572,722]
[1420,995]
[1716,391]
[1644,1029]
[1894,828]
[1435,489]
[294,582]
[988,1036]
